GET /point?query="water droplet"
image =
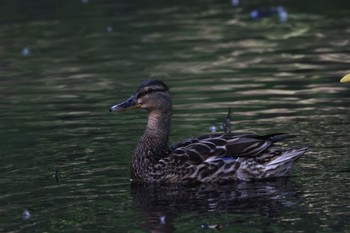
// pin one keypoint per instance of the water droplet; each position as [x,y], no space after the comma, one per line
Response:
[234,2]
[162,219]
[109,29]
[283,15]
[212,128]
[254,14]
[25,51]
[26,214]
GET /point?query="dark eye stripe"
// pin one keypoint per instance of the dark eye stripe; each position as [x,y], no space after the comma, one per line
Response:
[150,90]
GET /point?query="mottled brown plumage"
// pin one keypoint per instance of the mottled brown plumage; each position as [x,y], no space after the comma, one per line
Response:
[208,158]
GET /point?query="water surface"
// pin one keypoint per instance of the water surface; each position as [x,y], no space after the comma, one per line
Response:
[64,63]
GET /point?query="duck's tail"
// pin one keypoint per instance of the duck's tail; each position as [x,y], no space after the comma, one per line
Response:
[273,162]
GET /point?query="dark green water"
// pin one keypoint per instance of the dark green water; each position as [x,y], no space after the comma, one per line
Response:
[64,63]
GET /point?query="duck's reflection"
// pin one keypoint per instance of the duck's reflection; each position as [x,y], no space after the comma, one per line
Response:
[162,203]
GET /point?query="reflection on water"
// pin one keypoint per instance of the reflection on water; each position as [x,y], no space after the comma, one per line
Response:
[161,205]
[63,63]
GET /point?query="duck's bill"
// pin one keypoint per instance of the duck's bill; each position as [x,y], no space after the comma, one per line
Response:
[130,103]
[345,79]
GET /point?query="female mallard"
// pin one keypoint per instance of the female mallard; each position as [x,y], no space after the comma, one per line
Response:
[208,158]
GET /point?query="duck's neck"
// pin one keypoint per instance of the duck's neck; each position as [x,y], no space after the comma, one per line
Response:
[153,144]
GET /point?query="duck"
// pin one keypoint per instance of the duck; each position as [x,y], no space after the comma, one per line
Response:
[209,158]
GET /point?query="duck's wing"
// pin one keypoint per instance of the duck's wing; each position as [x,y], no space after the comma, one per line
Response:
[215,146]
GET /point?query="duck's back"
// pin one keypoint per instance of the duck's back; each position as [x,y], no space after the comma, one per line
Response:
[222,157]
[213,146]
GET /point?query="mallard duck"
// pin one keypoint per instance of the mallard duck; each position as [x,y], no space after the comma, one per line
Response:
[207,158]
[345,79]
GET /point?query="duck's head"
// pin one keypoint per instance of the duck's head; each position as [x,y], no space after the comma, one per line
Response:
[150,95]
